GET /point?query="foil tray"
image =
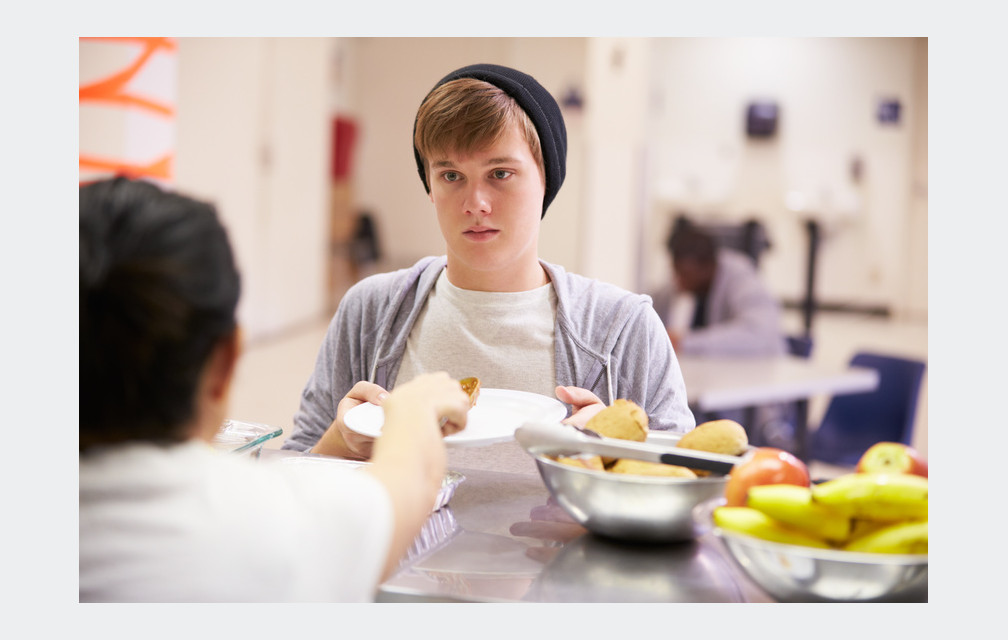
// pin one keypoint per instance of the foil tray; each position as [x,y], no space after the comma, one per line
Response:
[450,481]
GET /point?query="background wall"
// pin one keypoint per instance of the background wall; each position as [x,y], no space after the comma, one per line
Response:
[654,127]
[831,160]
[252,137]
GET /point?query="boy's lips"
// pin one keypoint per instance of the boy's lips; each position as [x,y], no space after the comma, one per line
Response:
[480,233]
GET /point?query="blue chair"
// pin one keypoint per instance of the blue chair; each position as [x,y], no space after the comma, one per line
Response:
[852,423]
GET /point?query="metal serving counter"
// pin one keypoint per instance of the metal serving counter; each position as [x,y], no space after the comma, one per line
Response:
[502,539]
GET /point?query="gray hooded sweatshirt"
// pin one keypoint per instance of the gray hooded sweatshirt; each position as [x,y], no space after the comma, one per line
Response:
[608,340]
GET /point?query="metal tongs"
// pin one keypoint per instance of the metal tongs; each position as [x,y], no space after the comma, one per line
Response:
[533,436]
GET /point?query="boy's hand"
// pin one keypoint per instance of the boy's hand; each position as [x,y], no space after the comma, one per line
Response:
[584,403]
[339,439]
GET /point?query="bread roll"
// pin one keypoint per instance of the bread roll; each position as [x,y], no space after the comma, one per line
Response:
[622,419]
[717,436]
[644,468]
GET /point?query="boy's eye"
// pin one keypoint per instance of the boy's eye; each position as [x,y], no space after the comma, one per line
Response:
[450,176]
[500,174]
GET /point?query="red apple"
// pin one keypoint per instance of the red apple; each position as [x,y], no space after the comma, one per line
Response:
[767,466]
[892,457]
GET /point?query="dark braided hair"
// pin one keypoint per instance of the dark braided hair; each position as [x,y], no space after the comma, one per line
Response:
[158,290]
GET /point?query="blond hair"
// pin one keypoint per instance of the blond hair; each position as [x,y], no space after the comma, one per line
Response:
[467,115]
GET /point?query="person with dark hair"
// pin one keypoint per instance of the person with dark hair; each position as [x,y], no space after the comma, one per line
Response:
[490,146]
[163,515]
[715,303]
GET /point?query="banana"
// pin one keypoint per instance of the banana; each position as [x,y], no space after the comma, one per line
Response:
[756,523]
[876,496]
[864,527]
[792,505]
[903,537]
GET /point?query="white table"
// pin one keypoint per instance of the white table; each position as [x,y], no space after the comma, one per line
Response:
[720,383]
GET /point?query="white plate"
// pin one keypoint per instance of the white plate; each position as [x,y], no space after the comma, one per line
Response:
[498,412]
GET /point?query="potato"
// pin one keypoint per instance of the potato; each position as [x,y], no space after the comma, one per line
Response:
[623,419]
[582,460]
[717,436]
[644,468]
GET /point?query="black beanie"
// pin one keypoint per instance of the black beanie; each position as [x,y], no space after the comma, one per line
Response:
[541,108]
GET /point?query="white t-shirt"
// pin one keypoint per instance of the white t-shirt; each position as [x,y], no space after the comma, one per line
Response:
[503,338]
[188,523]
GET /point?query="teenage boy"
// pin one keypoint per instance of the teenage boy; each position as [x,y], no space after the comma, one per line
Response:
[490,145]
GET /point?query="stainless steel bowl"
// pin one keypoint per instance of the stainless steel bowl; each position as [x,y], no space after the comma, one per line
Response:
[627,507]
[793,573]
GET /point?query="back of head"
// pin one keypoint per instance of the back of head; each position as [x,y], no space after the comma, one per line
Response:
[472,107]
[158,290]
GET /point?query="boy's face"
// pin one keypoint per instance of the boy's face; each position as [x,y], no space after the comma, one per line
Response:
[489,206]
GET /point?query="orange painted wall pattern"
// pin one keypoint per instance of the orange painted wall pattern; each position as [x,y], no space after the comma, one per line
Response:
[115,91]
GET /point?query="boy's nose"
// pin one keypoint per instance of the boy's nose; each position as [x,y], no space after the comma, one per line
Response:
[476,201]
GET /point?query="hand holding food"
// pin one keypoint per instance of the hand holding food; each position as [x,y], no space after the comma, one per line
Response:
[471,387]
[433,396]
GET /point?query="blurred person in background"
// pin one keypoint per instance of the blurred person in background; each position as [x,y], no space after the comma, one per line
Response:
[163,515]
[715,303]
[490,145]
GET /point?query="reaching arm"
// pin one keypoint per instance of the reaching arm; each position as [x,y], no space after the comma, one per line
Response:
[409,458]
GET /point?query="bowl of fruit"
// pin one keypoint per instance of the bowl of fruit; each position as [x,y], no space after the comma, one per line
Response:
[620,480]
[858,537]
